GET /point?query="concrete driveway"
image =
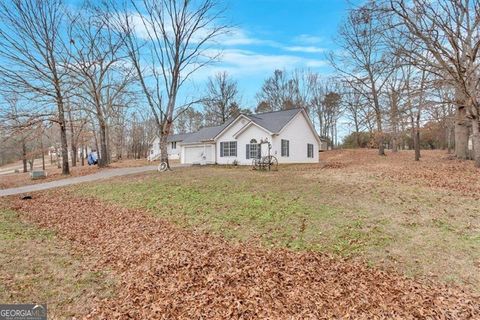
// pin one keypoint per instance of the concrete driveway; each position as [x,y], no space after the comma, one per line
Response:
[105,174]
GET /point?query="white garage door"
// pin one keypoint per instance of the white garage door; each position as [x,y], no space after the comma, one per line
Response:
[199,154]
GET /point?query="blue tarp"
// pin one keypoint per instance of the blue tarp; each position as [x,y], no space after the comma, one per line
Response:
[92,158]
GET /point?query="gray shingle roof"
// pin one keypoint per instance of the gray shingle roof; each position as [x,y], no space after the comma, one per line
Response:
[272,121]
[207,133]
[177,137]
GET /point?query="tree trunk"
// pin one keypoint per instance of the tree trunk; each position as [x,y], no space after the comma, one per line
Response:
[449,140]
[381,147]
[461,135]
[107,142]
[63,134]
[476,141]
[96,141]
[378,116]
[72,138]
[417,135]
[164,149]
[83,154]
[24,156]
[381,138]
[59,165]
[394,142]
[461,126]
[394,115]
[43,153]
[163,142]
[416,142]
[103,161]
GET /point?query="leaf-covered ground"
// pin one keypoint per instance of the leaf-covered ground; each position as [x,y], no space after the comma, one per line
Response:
[38,267]
[436,169]
[391,212]
[170,273]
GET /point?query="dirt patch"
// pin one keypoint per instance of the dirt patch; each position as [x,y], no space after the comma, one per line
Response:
[170,273]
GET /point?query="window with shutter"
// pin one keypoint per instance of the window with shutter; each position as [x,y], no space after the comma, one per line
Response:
[309,150]
[228,149]
[285,146]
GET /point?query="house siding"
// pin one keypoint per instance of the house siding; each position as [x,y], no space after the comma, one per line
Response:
[298,131]
[299,134]
[173,154]
[252,132]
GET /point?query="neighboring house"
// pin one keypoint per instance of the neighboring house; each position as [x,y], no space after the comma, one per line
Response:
[173,147]
[323,145]
[291,134]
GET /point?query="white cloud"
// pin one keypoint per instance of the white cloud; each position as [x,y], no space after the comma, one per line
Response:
[308,39]
[238,36]
[241,63]
[305,49]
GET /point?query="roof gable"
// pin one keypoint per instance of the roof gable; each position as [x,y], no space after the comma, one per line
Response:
[207,133]
[274,121]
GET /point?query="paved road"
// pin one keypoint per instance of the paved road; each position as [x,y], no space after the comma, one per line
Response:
[105,174]
[37,164]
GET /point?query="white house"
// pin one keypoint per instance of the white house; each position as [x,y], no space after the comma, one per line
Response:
[290,132]
[173,147]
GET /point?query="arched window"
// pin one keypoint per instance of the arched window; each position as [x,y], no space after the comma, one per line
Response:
[253,150]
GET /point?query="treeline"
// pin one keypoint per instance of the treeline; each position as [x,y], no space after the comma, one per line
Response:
[110,75]
[105,74]
[409,66]
[321,97]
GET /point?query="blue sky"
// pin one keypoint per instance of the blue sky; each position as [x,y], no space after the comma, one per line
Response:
[276,34]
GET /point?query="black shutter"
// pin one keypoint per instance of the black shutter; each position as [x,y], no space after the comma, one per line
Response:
[259,151]
[248,151]
[221,149]
[235,148]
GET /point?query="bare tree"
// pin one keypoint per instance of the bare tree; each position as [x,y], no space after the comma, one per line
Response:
[325,105]
[178,38]
[34,57]
[364,62]
[283,91]
[189,120]
[354,107]
[449,31]
[222,97]
[96,69]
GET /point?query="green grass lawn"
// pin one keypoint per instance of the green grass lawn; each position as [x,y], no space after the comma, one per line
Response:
[38,268]
[420,231]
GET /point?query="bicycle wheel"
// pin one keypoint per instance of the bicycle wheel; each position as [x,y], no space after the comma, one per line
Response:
[162,167]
